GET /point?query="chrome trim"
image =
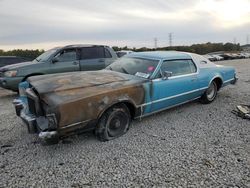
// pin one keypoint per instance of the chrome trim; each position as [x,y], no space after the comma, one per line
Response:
[174,77]
[228,80]
[74,124]
[184,75]
[217,76]
[166,108]
[47,135]
[156,69]
[171,97]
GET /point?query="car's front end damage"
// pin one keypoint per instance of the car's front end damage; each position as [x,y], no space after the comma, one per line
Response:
[57,106]
[34,114]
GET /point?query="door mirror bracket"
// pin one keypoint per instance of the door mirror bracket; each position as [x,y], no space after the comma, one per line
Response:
[54,60]
[166,75]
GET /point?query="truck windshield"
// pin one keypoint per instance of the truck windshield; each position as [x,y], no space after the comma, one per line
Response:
[135,66]
[46,55]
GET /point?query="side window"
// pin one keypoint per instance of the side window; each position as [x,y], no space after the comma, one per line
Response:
[107,53]
[13,60]
[179,67]
[92,53]
[67,55]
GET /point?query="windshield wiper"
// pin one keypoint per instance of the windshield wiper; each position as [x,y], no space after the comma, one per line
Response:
[124,70]
[38,60]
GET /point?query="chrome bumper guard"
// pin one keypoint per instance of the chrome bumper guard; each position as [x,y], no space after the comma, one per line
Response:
[28,119]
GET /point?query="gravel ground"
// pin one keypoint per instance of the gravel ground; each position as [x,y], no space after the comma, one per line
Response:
[193,145]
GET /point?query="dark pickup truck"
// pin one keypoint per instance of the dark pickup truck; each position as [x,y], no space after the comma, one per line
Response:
[58,60]
[9,60]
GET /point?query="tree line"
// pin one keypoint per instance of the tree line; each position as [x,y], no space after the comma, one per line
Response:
[195,48]
[29,54]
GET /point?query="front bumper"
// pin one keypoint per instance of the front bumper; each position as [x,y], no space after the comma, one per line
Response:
[39,125]
[28,119]
[10,83]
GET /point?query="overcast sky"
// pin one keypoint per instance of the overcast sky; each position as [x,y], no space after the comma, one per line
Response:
[44,24]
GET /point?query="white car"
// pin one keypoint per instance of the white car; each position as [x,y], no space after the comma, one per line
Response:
[123,52]
[217,57]
[247,55]
[209,57]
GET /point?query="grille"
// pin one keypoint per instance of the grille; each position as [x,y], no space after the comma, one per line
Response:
[33,102]
[32,105]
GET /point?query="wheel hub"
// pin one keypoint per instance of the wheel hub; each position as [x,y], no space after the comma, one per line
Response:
[211,91]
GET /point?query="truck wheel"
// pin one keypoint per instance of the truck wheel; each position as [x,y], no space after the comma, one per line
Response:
[113,123]
[210,93]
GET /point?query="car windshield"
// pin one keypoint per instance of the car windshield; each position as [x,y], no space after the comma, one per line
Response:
[135,66]
[46,55]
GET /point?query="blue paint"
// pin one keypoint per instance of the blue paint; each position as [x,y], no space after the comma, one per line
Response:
[161,94]
[22,87]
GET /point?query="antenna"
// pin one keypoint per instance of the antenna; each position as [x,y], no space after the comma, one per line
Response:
[170,37]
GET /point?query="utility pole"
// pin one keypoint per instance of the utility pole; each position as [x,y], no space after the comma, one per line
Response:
[170,37]
[234,40]
[155,42]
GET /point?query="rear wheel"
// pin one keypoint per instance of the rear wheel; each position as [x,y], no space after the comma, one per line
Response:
[113,123]
[210,93]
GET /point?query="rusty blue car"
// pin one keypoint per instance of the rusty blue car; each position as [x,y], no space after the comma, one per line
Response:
[134,86]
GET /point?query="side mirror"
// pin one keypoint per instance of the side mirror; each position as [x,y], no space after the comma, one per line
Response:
[166,75]
[54,60]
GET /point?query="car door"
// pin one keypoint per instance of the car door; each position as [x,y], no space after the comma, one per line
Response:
[67,60]
[181,87]
[92,58]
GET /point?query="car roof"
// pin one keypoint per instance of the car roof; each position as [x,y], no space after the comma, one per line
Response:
[83,45]
[161,55]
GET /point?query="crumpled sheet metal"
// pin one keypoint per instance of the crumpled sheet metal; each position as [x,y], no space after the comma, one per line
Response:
[242,111]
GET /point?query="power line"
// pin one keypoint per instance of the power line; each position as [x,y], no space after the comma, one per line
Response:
[234,41]
[170,37]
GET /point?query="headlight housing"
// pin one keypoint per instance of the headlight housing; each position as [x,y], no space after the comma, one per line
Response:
[11,73]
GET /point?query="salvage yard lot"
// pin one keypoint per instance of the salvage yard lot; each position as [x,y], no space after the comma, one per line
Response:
[193,145]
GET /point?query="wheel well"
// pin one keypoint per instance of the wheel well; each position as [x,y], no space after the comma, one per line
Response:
[218,82]
[129,105]
[131,108]
[34,74]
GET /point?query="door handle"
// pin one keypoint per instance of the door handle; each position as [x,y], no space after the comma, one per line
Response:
[75,63]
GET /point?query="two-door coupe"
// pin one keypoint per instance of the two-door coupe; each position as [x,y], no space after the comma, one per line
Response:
[137,85]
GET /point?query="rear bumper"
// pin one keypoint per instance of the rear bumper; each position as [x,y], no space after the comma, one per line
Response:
[234,80]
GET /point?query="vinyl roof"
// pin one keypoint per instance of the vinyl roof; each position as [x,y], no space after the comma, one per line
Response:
[161,55]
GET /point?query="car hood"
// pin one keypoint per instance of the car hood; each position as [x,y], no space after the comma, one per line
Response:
[18,65]
[75,85]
